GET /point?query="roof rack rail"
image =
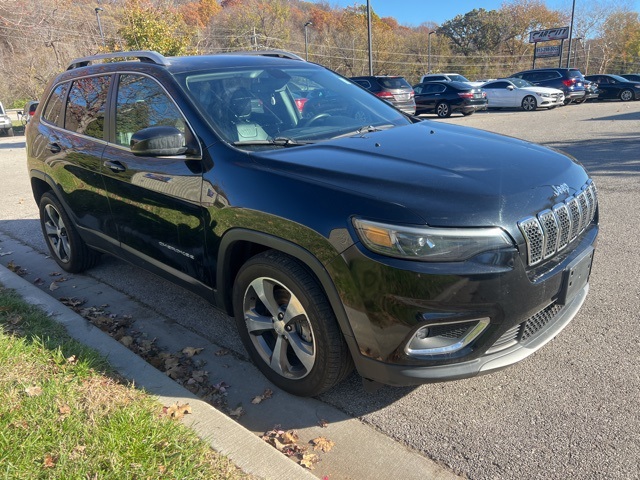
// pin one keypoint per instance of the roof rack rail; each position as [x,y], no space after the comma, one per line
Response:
[267,53]
[146,56]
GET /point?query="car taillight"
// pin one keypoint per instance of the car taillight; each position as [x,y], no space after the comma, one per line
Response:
[385,95]
[569,82]
[466,95]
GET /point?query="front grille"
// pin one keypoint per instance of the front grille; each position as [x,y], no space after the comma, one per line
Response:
[552,230]
[526,329]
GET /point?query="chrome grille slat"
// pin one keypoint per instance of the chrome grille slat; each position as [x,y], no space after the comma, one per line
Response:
[550,231]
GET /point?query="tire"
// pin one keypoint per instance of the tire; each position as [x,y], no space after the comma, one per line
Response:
[626,95]
[580,100]
[443,110]
[10,132]
[63,240]
[567,101]
[287,325]
[529,103]
[466,114]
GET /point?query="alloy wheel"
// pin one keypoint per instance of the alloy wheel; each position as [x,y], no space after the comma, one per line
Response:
[279,328]
[56,232]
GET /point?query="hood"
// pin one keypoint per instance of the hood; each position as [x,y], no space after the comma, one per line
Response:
[448,175]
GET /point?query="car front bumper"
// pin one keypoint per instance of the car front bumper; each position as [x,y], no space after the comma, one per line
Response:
[523,310]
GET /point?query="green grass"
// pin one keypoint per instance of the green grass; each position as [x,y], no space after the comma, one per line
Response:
[64,415]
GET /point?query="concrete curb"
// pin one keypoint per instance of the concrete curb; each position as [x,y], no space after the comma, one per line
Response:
[247,451]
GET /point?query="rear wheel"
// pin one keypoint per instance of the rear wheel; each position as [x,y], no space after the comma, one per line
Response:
[626,95]
[466,114]
[63,240]
[287,325]
[529,103]
[443,110]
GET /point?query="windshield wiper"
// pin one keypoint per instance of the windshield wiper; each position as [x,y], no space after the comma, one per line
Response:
[278,141]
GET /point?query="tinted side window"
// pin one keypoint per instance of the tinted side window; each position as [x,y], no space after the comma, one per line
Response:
[54,110]
[143,103]
[394,82]
[364,83]
[86,106]
[498,85]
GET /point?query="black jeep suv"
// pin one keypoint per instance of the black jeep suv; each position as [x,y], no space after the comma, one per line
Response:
[341,233]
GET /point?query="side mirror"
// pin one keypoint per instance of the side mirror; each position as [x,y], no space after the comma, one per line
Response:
[510,87]
[158,142]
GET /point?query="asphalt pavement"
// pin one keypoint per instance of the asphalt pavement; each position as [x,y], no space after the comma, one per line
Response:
[569,411]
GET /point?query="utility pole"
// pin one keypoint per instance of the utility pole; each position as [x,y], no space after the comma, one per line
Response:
[573,10]
[98,10]
[429,50]
[306,41]
[369,32]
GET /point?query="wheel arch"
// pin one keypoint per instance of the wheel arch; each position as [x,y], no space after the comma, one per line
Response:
[239,245]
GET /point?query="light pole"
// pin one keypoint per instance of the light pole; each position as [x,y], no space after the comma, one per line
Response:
[429,50]
[573,10]
[98,10]
[306,40]
[369,34]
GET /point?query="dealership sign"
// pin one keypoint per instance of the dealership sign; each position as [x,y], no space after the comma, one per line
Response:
[553,51]
[548,35]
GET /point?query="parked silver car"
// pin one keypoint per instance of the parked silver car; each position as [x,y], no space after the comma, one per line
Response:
[6,125]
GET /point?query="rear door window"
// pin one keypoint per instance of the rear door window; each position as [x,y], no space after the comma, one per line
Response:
[86,106]
[394,82]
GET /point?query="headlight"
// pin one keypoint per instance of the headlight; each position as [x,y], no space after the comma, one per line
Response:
[542,94]
[429,244]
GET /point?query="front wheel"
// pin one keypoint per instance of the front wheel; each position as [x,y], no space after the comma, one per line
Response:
[287,325]
[63,240]
[626,95]
[529,103]
[443,110]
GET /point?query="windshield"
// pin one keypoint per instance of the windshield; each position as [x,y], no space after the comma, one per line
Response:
[518,82]
[458,78]
[286,106]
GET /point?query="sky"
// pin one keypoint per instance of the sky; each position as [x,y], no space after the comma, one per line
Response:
[415,12]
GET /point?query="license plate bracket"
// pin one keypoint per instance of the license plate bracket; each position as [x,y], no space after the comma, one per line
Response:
[576,276]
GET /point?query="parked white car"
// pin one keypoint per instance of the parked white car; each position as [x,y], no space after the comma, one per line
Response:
[518,93]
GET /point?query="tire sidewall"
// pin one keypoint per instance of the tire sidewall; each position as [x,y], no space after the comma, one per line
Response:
[626,95]
[528,102]
[443,110]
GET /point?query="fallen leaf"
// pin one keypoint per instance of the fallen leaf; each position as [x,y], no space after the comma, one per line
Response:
[33,391]
[177,411]
[38,281]
[126,341]
[64,410]
[55,274]
[322,443]
[222,352]
[257,400]
[265,396]
[191,351]
[72,359]
[308,460]
[49,461]
[323,423]
[54,286]
[2,254]
[199,375]
[288,437]
[238,412]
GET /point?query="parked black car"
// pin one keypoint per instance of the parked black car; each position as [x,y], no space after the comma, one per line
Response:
[616,87]
[591,91]
[569,80]
[395,90]
[415,250]
[445,98]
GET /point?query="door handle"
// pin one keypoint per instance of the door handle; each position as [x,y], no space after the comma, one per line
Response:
[54,147]
[114,166]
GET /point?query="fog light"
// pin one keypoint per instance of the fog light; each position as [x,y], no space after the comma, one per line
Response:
[445,338]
